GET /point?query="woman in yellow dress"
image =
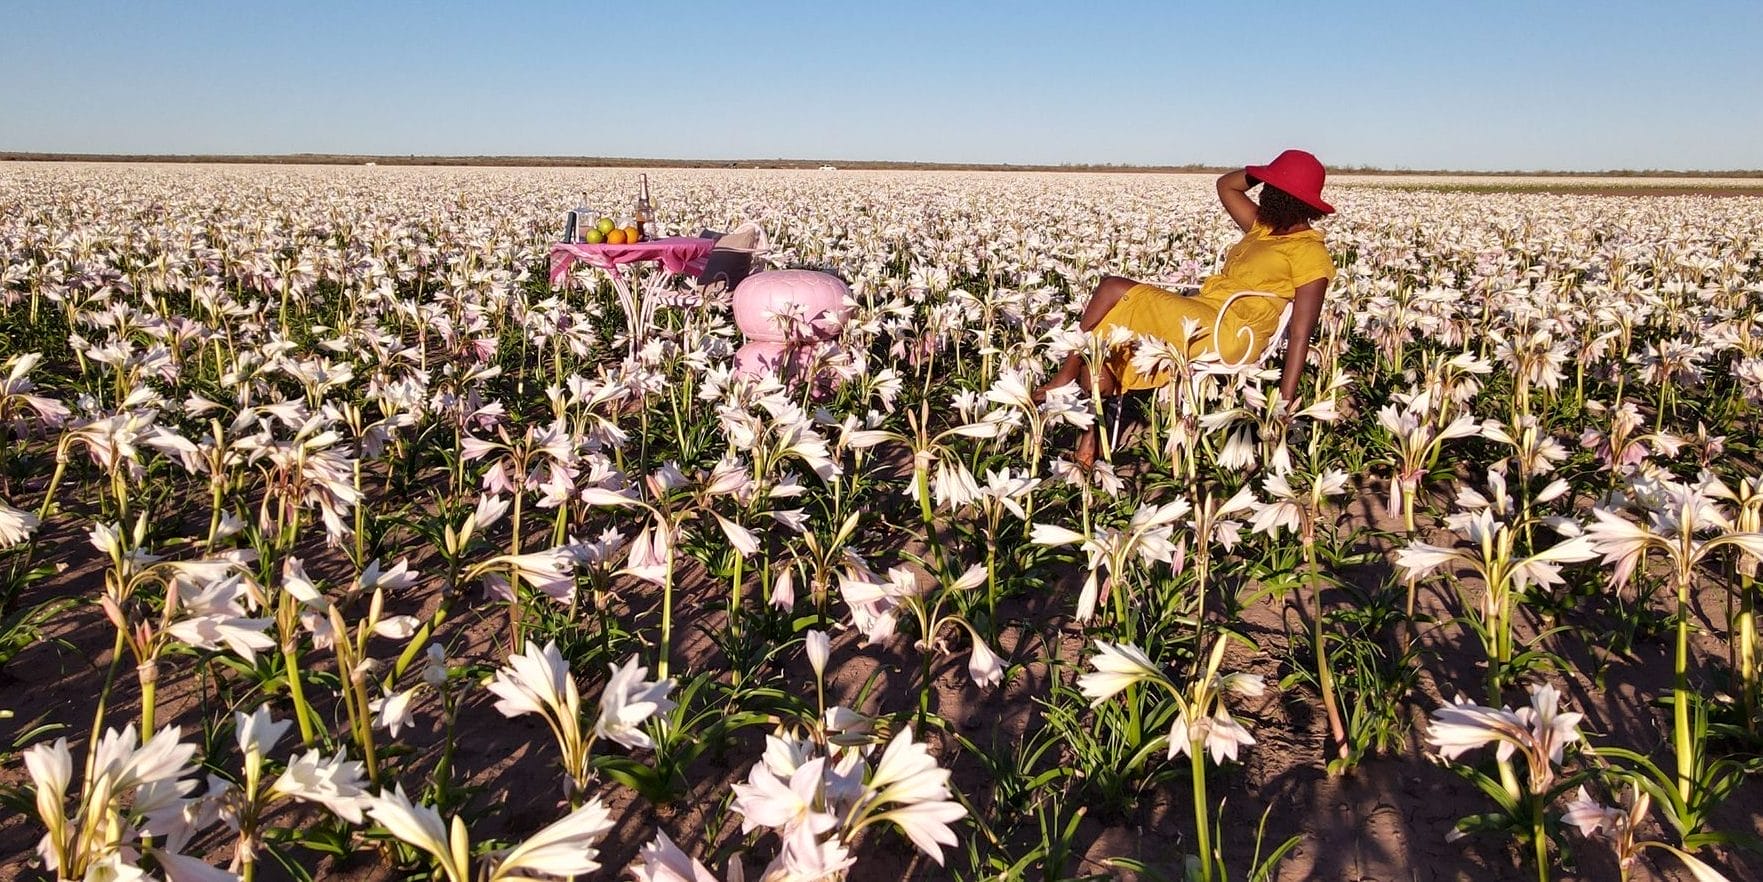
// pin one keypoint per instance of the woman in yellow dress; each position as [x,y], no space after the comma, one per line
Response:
[1280,255]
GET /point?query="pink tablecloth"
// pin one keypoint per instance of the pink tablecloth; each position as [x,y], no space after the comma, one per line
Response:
[677,255]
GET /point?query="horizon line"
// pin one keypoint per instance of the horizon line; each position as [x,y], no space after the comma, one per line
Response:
[543,161]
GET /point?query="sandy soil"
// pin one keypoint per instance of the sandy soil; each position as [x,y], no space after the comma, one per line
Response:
[1386,821]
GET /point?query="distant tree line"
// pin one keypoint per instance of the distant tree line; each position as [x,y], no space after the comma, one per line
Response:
[809,164]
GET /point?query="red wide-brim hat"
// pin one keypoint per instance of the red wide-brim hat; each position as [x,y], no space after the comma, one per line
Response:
[1298,173]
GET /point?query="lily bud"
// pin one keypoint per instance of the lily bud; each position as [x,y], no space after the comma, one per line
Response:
[819,648]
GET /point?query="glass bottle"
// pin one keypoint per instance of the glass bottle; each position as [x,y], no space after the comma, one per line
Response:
[581,219]
[645,209]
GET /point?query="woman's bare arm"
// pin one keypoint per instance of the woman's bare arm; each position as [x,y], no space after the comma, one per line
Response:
[1306,311]
[1233,191]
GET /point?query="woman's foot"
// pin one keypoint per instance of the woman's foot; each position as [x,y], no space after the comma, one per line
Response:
[1088,445]
[1069,370]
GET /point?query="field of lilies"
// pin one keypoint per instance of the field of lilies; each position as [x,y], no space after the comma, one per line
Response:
[336,543]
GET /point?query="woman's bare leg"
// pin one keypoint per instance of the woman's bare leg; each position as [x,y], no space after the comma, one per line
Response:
[1102,300]
[1090,442]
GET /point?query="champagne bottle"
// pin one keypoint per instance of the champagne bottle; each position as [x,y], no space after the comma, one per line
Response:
[645,210]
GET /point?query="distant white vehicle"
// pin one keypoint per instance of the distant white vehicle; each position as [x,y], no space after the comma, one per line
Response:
[370,164]
[829,168]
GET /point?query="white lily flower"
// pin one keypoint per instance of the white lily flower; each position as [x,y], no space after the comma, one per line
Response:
[393,712]
[422,827]
[337,783]
[1221,734]
[767,801]
[536,681]
[257,733]
[16,526]
[566,847]
[983,665]
[1117,666]
[628,701]
[662,861]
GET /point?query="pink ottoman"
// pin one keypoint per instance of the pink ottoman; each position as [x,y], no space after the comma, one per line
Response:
[763,298]
[762,357]
[787,316]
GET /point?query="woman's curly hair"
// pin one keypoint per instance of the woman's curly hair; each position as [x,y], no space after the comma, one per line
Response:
[1280,210]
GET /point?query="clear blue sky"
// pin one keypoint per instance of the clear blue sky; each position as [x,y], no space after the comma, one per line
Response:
[1464,85]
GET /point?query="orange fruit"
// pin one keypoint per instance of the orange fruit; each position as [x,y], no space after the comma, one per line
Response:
[633,234]
[616,237]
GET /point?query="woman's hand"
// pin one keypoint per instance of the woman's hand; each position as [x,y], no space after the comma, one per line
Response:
[1233,192]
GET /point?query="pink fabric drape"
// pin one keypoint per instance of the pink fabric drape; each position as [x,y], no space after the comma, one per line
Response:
[679,254]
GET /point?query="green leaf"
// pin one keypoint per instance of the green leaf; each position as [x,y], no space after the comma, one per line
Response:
[1701,871]
[648,782]
[1486,822]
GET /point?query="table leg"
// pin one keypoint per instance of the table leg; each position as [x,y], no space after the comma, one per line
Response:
[633,320]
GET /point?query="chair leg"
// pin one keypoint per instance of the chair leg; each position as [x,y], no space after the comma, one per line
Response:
[1114,409]
[1119,410]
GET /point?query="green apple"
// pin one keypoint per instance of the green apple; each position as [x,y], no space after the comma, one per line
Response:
[605,225]
[594,236]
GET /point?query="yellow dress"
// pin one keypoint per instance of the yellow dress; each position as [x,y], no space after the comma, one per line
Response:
[1260,261]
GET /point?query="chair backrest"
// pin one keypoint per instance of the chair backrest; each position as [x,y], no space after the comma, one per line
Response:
[1279,331]
[727,266]
[731,260]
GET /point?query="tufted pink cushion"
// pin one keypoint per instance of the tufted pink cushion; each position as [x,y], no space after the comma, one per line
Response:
[762,357]
[818,297]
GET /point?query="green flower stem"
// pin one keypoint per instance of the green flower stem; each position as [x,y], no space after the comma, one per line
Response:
[104,699]
[418,641]
[922,476]
[1680,702]
[364,736]
[928,516]
[284,311]
[360,517]
[560,526]
[217,500]
[291,660]
[734,600]
[1135,723]
[148,673]
[1746,663]
[1324,674]
[1202,811]
[516,617]
[1202,577]
[1539,840]
[666,616]
[49,489]
[992,579]
[924,687]
[443,773]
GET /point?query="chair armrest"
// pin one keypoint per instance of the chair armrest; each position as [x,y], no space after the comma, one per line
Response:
[1279,331]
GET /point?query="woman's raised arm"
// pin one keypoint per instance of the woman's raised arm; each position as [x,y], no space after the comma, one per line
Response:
[1233,191]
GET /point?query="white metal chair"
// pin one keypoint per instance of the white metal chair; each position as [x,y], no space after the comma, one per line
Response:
[1273,342]
[1279,334]
[1117,406]
[732,260]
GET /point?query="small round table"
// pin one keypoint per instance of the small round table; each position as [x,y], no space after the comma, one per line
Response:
[676,254]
